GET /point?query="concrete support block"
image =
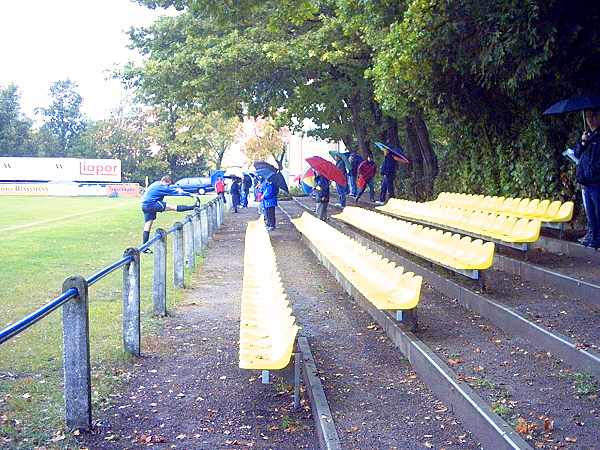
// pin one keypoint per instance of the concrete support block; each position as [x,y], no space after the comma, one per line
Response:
[159,286]
[76,356]
[178,256]
[131,303]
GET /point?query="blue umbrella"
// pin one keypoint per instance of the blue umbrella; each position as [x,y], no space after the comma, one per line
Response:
[398,153]
[574,104]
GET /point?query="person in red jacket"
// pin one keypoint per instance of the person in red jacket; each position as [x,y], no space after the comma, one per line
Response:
[220,188]
[366,178]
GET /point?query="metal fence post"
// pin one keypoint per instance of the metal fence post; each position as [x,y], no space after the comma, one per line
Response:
[188,237]
[204,225]
[131,303]
[197,232]
[76,356]
[159,285]
[178,258]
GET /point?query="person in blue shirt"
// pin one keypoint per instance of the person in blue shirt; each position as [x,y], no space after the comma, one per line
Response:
[388,171]
[321,195]
[355,160]
[269,202]
[153,202]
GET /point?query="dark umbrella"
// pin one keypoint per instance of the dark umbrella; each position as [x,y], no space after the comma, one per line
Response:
[398,153]
[327,169]
[344,157]
[574,104]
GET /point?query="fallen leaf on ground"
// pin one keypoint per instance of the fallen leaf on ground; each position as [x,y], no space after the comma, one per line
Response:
[454,362]
[524,427]
[571,439]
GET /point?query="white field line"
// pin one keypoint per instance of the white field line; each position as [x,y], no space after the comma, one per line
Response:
[56,219]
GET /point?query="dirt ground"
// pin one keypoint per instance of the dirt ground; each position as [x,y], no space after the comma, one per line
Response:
[187,391]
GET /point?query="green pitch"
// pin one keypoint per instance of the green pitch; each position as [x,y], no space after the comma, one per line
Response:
[43,241]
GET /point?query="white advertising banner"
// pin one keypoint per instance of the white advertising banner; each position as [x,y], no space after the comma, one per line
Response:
[60,169]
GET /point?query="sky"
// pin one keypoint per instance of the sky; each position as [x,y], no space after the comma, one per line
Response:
[43,41]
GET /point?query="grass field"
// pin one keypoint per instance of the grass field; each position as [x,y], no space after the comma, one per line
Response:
[43,241]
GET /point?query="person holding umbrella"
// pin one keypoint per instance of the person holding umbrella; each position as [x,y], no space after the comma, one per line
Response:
[269,202]
[366,178]
[388,172]
[235,191]
[321,195]
[341,190]
[587,155]
[587,151]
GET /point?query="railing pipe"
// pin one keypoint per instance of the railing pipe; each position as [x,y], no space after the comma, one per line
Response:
[107,270]
[16,328]
[159,286]
[131,303]
[76,356]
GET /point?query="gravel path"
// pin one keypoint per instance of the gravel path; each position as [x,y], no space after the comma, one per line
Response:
[376,399]
[188,392]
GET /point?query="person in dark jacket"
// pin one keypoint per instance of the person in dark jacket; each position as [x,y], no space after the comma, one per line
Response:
[355,160]
[246,185]
[153,202]
[269,203]
[321,195]
[368,169]
[235,192]
[588,175]
[388,172]
[341,190]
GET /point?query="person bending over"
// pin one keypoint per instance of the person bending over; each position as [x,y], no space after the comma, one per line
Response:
[153,202]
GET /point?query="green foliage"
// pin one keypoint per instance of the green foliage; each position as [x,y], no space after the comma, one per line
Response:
[585,384]
[63,118]
[14,126]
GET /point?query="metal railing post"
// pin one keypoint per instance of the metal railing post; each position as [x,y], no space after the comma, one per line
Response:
[204,225]
[76,356]
[188,237]
[131,303]
[197,232]
[178,257]
[159,285]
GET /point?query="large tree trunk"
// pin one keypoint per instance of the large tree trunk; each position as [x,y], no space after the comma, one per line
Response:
[422,156]
[359,125]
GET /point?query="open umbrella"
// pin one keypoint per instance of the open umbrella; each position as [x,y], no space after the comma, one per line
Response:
[397,153]
[307,181]
[574,104]
[234,172]
[327,169]
[278,180]
[345,156]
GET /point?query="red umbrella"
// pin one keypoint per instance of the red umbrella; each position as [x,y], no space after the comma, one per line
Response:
[327,169]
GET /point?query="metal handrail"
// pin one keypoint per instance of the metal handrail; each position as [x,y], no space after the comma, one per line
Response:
[16,328]
[20,326]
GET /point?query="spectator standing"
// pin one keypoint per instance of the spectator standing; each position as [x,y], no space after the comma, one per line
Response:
[367,170]
[235,191]
[355,160]
[246,184]
[269,202]
[220,188]
[388,172]
[321,196]
[588,175]
[341,190]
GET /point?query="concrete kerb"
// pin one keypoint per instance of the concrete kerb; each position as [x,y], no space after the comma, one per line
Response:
[324,424]
[589,292]
[485,425]
[560,246]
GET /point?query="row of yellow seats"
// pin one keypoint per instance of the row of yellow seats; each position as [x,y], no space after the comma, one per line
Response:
[445,248]
[491,225]
[544,210]
[379,280]
[267,326]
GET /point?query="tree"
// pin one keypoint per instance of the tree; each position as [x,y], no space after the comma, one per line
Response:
[14,126]
[63,118]
[265,141]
